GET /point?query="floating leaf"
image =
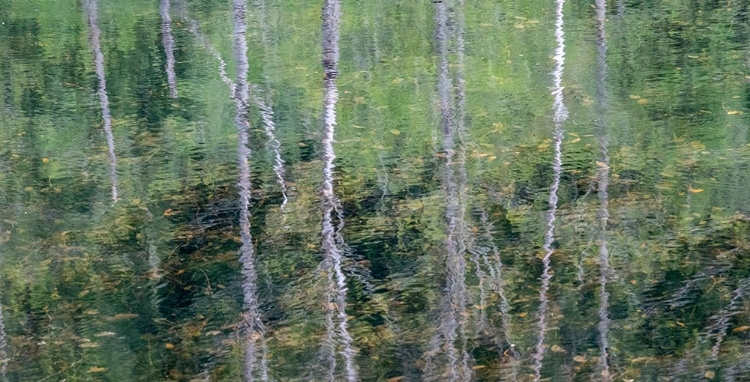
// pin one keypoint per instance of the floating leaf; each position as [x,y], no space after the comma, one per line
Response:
[633,96]
[694,190]
[710,374]
[45,160]
[169,345]
[741,328]
[170,212]
[522,315]
[395,132]
[579,359]
[558,349]
[733,112]
[96,369]
[122,317]
[642,101]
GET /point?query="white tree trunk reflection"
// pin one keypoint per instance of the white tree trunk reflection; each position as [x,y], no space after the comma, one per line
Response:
[168,42]
[253,325]
[560,115]
[95,42]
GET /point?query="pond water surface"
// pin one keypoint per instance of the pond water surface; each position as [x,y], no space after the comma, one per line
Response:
[383,190]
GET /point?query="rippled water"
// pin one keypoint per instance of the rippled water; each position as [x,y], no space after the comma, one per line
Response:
[448,190]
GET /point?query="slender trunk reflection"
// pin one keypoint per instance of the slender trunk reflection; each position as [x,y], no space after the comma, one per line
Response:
[332,263]
[168,41]
[269,128]
[495,266]
[254,328]
[3,348]
[452,327]
[461,197]
[94,39]
[195,30]
[266,110]
[603,178]
[560,115]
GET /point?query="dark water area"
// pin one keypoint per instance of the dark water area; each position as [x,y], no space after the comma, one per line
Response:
[340,190]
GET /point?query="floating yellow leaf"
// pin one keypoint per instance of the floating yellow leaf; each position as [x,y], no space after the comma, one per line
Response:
[733,112]
[579,359]
[694,190]
[710,374]
[96,369]
[477,367]
[169,345]
[633,96]
[558,349]
[740,328]
[122,317]
[395,132]
[680,324]
[522,315]
[45,160]
[642,101]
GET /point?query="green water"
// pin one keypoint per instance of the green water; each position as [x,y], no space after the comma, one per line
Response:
[521,190]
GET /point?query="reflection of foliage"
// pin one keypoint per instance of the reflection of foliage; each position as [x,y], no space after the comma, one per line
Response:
[81,300]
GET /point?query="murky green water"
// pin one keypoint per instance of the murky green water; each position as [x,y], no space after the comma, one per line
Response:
[447,190]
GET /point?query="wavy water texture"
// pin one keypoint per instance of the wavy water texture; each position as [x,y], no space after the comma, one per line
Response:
[94,40]
[603,192]
[253,325]
[331,15]
[168,41]
[560,115]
